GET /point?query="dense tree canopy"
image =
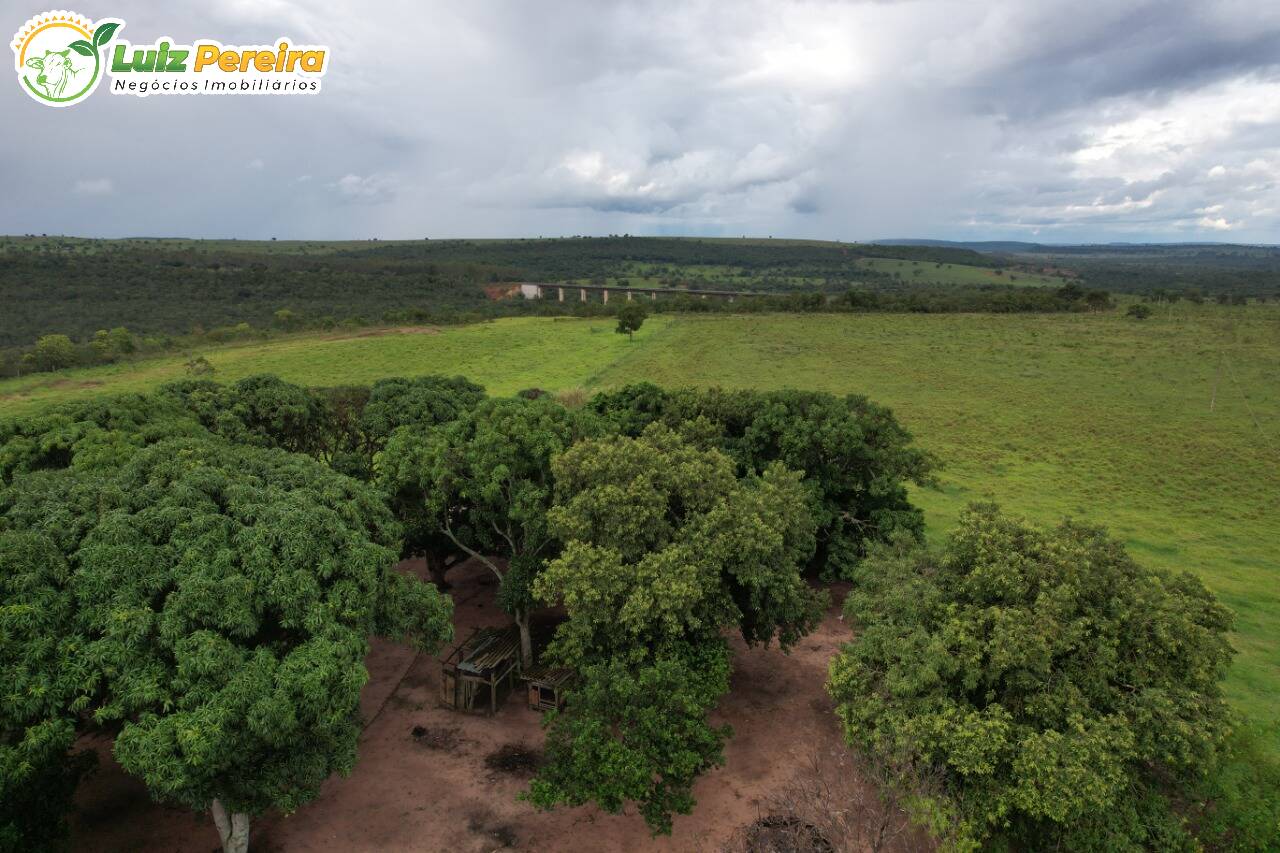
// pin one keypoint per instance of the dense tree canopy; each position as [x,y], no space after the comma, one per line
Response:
[1064,689]
[421,401]
[263,411]
[95,434]
[855,456]
[663,542]
[664,547]
[638,733]
[43,683]
[484,482]
[219,601]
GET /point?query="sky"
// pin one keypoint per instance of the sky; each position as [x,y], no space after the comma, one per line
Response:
[1080,121]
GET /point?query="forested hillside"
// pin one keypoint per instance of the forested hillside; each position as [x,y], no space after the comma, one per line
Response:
[145,292]
[1207,269]
[75,287]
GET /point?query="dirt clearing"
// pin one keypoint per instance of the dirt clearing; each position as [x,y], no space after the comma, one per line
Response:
[431,779]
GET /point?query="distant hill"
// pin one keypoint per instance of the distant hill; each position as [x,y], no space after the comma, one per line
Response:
[984,246]
[1020,247]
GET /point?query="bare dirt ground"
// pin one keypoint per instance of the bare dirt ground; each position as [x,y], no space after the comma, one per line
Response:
[429,778]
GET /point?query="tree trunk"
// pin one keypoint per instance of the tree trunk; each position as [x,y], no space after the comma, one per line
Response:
[233,829]
[526,641]
[436,567]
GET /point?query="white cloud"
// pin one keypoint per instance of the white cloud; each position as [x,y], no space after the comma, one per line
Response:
[256,165]
[373,189]
[94,186]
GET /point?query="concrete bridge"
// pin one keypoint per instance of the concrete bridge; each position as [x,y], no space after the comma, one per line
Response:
[531,290]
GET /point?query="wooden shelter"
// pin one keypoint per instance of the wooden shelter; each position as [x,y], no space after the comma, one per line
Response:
[546,687]
[481,670]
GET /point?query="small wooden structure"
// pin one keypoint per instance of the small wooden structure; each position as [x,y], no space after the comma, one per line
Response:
[479,668]
[546,687]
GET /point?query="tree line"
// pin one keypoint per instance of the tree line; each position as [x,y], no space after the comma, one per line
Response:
[163,289]
[196,573]
[55,351]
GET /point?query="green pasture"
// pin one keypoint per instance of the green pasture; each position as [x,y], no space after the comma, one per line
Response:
[927,272]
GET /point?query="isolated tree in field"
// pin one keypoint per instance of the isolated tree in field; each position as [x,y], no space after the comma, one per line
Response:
[484,482]
[225,597]
[1098,300]
[286,319]
[54,352]
[200,367]
[664,548]
[1066,692]
[630,318]
[1139,311]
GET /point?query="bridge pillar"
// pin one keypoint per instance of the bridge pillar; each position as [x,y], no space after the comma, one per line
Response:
[628,295]
[540,294]
[561,289]
[653,296]
[583,291]
[606,296]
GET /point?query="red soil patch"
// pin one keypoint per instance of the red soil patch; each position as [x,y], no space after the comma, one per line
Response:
[433,779]
[501,291]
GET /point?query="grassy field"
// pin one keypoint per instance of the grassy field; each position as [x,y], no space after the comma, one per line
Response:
[1167,431]
[934,273]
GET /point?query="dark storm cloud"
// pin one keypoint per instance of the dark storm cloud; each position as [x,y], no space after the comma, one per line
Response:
[1044,120]
[1079,54]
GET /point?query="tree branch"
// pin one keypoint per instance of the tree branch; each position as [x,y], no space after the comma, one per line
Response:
[505,535]
[448,531]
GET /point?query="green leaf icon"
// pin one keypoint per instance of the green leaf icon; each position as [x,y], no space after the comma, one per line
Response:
[103,34]
[82,47]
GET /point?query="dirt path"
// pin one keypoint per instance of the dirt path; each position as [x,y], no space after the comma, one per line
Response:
[422,783]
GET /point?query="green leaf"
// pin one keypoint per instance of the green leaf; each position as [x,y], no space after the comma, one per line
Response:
[103,34]
[82,47]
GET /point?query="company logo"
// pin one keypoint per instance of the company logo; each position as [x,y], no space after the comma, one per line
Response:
[61,57]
